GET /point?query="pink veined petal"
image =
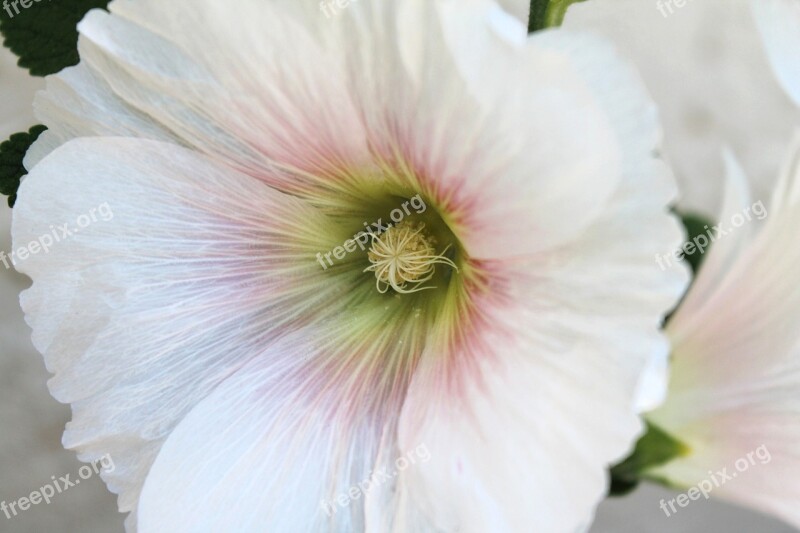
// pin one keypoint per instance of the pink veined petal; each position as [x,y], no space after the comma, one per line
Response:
[514,454]
[182,270]
[292,441]
[733,395]
[500,392]
[510,449]
[497,158]
[295,128]
[530,179]
[321,127]
[496,392]
[724,252]
[491,398]
[750,307]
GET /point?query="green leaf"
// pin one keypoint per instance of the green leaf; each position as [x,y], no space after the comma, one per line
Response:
[696,225]
[44,35]
[655,448]
[547,13]
[12,152]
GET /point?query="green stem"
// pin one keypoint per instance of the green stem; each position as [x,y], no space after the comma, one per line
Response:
[547,13]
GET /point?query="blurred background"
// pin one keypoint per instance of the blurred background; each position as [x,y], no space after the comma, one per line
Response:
[704,65]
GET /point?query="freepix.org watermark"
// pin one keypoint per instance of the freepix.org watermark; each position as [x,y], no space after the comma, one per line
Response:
[713,233]
[44,243]
[47,492]
[668,7]
[15,4]
[333,7]
[716,480]
[375,479]
[362,238]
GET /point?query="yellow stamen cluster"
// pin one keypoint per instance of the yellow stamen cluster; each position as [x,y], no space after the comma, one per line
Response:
[404,256]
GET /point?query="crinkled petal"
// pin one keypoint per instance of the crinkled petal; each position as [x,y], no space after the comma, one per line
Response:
[517,451]
[157,273]
[635,121]
[278,447]
[353,100]
[500,159]
[537,152]
[279,113]
[79,103]
[495,389]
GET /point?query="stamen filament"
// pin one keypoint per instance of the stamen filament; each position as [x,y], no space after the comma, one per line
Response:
[404,256]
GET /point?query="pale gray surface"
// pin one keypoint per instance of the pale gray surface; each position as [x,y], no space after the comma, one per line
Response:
[640,513]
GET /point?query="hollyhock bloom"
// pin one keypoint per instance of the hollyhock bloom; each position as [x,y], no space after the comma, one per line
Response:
[239,383]
[734,394]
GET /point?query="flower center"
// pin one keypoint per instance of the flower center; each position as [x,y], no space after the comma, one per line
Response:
[404,257]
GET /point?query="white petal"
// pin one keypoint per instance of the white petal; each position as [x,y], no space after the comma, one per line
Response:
[723,252]
[652,388]
[295,439]
[78,103]
[646,179]
[519,8]
[280,117]
[550,372]
[260,454]
[735,387]
[300,120]
[511,184]
[536,148]
[173,283]
[516,449]
[778,21]
[519,202]
[556,376]
[299,439]
[520,424]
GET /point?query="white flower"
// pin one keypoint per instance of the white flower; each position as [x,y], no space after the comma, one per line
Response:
[734,395]
[239,385]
